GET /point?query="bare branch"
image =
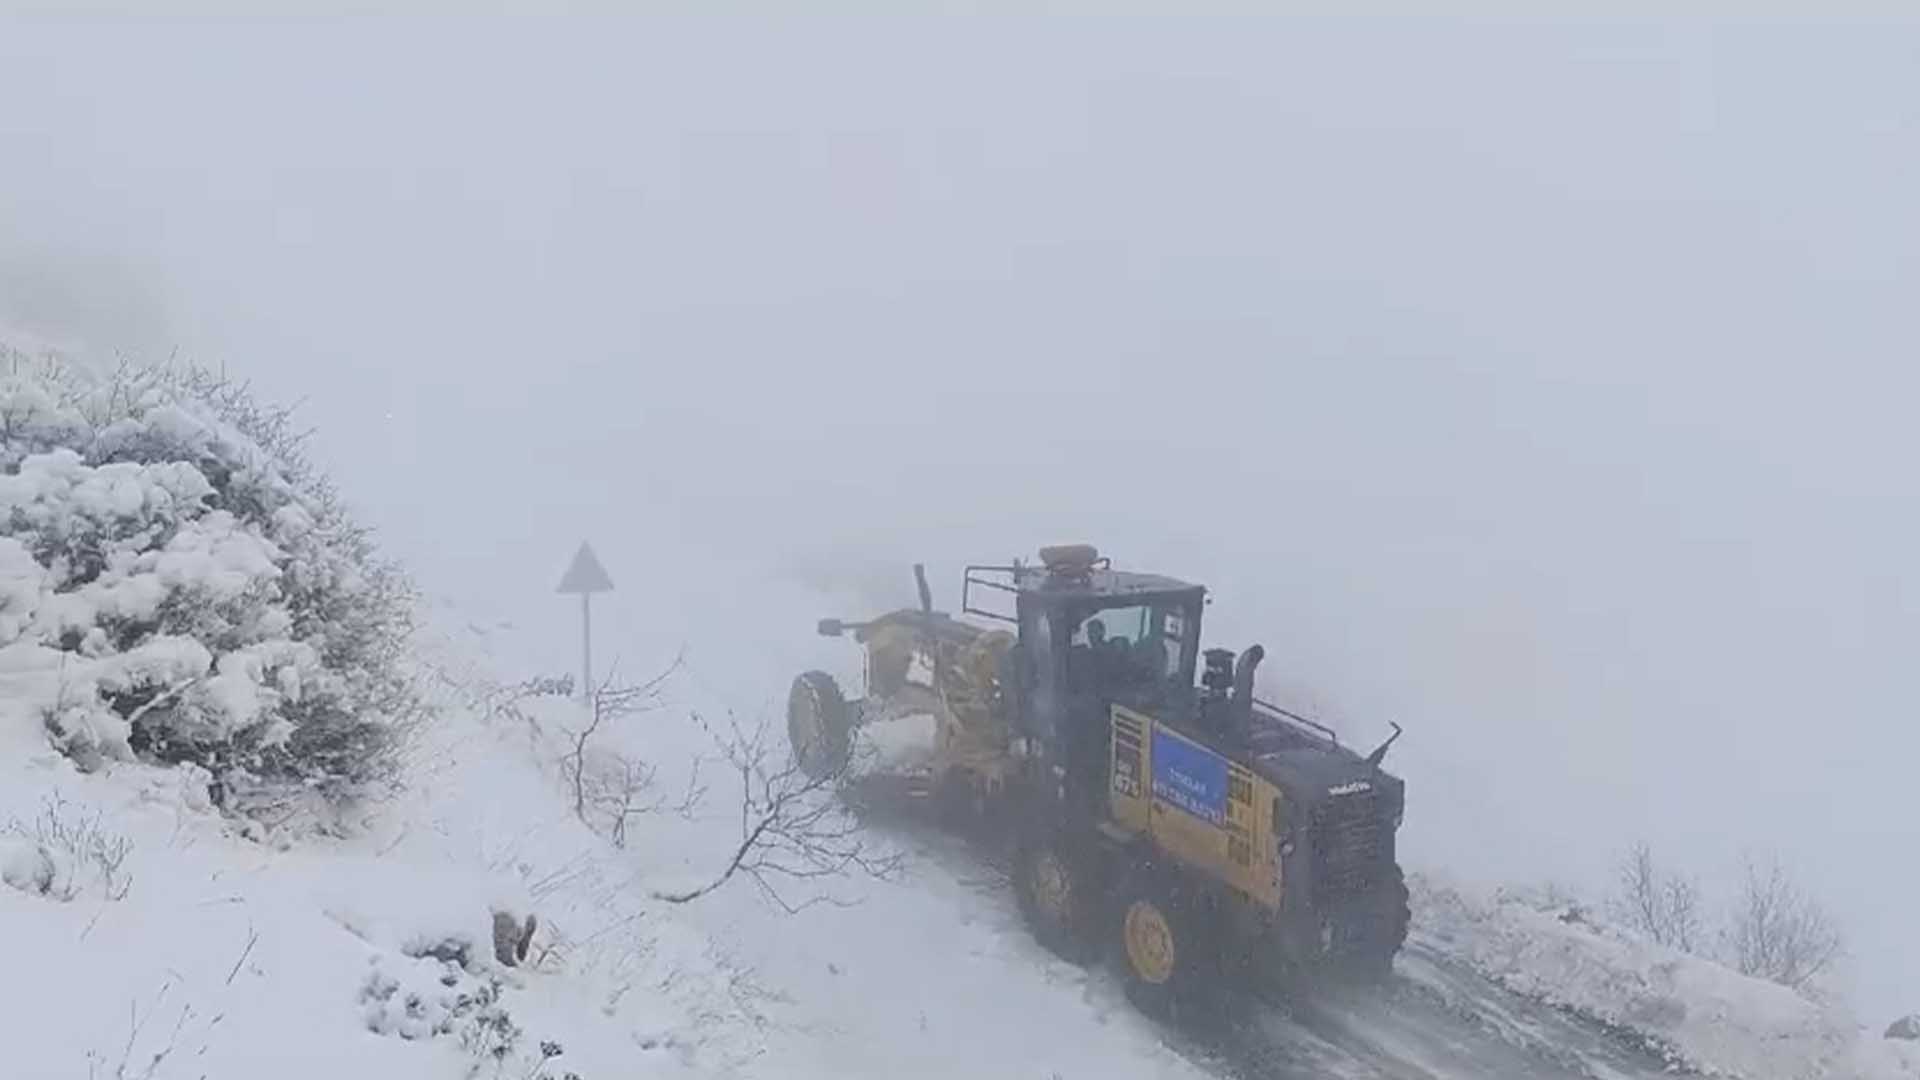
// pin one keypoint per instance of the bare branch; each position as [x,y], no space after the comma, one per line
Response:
[695,794]
[161,698]
[253,938]
[623,796]
[613,700]
[792,828]
[1664,906]
[1680,906]
[1779,932]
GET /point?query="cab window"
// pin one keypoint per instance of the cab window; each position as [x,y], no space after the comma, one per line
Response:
[1136,644]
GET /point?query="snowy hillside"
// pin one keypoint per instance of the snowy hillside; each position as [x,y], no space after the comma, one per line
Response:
[306,955]
[302,956]
[159,926]
[240,834]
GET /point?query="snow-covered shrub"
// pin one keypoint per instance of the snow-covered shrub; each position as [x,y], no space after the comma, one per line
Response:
[424,998]
[178,583]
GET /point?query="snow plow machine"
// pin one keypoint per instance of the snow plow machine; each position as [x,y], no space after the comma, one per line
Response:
[1190,831]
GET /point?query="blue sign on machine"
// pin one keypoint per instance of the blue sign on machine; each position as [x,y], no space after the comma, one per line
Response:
[1189,776]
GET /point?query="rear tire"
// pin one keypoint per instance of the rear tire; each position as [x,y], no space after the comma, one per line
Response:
[1166,947]
[819,724]
[1057,885]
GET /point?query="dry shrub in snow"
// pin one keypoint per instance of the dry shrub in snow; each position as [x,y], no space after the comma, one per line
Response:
[1777,931]
[794,832]
[1657,902]
[63,850]
[1774,929]
[616,787]
[177,583]
[150,1047]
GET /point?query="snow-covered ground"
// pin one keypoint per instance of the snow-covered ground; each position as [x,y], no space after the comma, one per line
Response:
[151,936]
[299,956]
[1706,1017]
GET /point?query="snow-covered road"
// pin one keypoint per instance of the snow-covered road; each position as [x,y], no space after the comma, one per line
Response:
[1435,1020]
[1438,1019]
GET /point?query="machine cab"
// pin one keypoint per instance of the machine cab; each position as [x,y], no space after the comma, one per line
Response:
[1091,636]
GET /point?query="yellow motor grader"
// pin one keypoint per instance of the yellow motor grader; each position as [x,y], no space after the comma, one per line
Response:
[1174,819]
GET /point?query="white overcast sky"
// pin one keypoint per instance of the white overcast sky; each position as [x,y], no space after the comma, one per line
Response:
[1549,387]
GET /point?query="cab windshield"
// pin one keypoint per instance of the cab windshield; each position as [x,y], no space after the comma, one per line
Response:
[1133,645]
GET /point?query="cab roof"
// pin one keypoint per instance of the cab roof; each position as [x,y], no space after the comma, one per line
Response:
[1099,583]
[1075,574]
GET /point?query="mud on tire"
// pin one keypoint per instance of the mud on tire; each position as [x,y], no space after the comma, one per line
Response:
[1057,884]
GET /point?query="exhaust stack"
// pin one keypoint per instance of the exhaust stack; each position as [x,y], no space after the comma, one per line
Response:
[1240,713]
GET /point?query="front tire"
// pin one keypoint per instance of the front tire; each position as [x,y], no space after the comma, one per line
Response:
[819,725]
[1057,885]
[1166,947]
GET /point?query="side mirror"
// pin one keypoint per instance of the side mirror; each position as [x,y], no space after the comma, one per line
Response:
[832,628]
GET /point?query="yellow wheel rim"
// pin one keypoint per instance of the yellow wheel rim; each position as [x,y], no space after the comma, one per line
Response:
[1149,941]
[1052,885]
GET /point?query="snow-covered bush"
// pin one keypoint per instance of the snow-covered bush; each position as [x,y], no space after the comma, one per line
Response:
[426,998]
[178,583]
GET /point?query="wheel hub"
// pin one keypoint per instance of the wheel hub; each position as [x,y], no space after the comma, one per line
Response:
[1149,941]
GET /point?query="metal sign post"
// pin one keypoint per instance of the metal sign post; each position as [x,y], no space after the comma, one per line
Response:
[586,576]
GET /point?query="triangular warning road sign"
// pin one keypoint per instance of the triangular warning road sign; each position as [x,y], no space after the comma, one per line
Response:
[586,575]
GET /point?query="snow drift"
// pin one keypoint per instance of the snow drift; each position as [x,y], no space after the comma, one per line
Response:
[1704,1017]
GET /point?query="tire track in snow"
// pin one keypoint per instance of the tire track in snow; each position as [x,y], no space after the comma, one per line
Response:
[1436,1019]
